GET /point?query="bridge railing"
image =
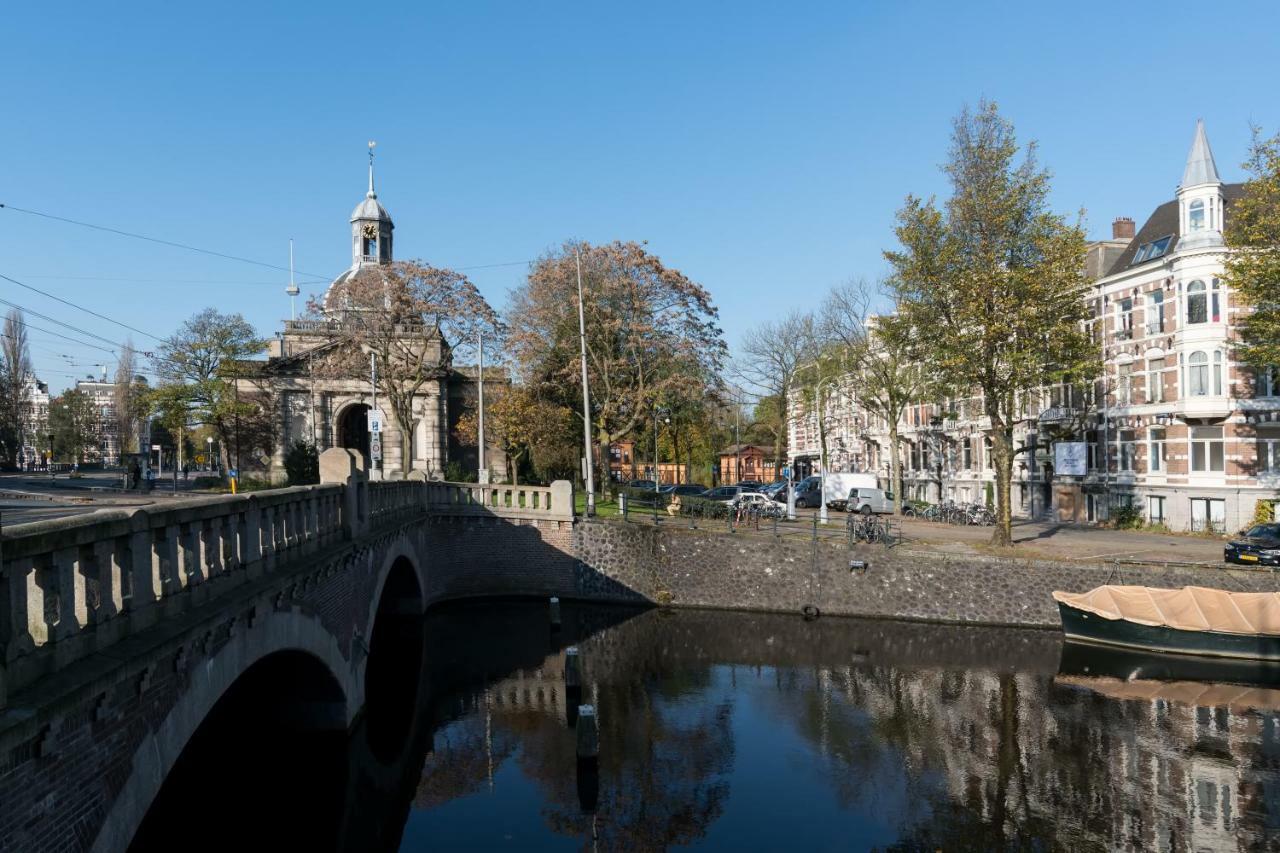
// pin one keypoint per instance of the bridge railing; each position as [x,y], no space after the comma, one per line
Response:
[550,502]
[72,586]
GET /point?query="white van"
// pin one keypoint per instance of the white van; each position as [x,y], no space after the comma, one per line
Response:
[868,501]
[837,486]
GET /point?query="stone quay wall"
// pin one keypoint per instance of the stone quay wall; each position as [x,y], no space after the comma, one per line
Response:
[671,564]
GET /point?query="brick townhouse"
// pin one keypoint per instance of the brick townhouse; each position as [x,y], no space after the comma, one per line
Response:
[1175,426]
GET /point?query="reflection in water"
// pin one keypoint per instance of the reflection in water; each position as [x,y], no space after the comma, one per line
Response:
[741,731]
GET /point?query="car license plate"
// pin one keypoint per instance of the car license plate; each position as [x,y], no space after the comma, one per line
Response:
[1247,558]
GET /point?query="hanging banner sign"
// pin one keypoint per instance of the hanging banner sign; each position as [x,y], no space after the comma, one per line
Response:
[1070,458]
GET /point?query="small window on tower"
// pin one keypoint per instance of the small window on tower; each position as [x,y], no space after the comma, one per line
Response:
[371,247]
[1196,215]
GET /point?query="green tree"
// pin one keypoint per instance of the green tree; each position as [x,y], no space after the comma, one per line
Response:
[302,463]
[1253,269]
[203,357]
[71,421]
[991,287]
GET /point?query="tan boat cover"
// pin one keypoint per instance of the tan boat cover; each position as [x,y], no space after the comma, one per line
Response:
[1192,608]
[1237,697]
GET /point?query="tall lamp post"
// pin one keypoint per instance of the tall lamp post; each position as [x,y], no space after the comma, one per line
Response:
[586,395]
[822,451]
[657,476]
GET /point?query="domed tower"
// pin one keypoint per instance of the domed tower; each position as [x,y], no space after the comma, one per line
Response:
[371,229]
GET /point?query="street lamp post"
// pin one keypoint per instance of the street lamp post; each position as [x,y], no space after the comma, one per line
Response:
[208,458]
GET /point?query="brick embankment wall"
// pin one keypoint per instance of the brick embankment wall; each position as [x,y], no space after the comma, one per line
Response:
[750,571]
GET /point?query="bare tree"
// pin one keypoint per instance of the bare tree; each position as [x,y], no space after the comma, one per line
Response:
[127,398]
[15,375]
[769,356]
[885,371]
[410,316]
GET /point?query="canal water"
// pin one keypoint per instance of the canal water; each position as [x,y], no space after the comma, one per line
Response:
[738,731]
[727,731]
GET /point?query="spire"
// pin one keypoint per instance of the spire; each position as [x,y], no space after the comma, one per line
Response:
[1200,166]
[371,193]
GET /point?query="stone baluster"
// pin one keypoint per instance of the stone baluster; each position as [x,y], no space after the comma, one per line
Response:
[26,625]
[189,546]
[73,609]
[146,584]
[211,546]
[109,567]
[251,533]
[169,559]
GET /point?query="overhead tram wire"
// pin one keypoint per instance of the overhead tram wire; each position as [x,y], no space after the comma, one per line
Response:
[76,329]
[80,307]
[65,337]
[157,240]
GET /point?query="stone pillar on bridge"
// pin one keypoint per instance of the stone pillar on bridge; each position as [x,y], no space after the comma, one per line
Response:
[342,466]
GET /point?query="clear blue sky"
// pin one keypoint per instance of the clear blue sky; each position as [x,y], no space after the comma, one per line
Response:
[762,148]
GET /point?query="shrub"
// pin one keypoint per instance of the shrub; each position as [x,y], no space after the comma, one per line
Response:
[456,472]
[207,483]
[302,464]
[1127,517]
[1264,512]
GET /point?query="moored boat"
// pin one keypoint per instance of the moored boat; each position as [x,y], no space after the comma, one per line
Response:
[1192,620]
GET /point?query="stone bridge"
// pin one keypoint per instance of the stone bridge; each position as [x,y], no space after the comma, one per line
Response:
[281,616]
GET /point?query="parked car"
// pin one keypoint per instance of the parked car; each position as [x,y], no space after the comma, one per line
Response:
[808,492]
[684,489]
[723,494]
[773,489]
[640,484]
[757,501]
[1259,546]
[753,485]
[867,501]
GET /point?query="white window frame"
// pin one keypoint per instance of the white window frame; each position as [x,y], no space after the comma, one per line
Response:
[1207,445]
[1157,450]
[1196,207]
[1198,374]
[1202,292]
[1155,381]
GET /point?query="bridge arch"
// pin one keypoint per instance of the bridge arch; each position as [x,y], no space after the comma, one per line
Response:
[393,671]
[283,640]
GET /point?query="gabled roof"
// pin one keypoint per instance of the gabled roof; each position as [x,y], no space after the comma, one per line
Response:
[1163,222]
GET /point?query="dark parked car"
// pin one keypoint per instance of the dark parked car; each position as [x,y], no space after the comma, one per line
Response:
[1260,545]
[808,493]
[724,494]
[685,489]
[641,484]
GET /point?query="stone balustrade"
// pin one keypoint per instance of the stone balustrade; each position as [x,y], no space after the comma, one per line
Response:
[71,587]
[549,502]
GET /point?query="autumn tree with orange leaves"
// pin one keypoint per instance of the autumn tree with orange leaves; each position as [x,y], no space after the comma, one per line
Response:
[653,339]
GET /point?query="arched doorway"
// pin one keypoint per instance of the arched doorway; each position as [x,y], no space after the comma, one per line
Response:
[273,746]
[353,428]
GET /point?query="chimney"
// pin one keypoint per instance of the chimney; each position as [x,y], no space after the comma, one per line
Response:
[1122,228]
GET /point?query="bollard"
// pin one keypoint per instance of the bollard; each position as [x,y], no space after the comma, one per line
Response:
[622,505]
[555,613]
[572,669]
[588,733]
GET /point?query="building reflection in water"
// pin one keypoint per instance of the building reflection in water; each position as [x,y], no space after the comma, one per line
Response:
[747,731]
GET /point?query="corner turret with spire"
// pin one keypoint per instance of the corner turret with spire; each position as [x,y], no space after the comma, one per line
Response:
[1200,196]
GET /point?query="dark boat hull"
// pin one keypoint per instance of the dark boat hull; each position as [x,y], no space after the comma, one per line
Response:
[1082,626]
[1126,664]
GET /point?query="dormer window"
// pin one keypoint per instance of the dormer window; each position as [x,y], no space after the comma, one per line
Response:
[1195,215]
[1151,251]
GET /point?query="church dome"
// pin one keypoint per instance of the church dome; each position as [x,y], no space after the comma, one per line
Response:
[359,281]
